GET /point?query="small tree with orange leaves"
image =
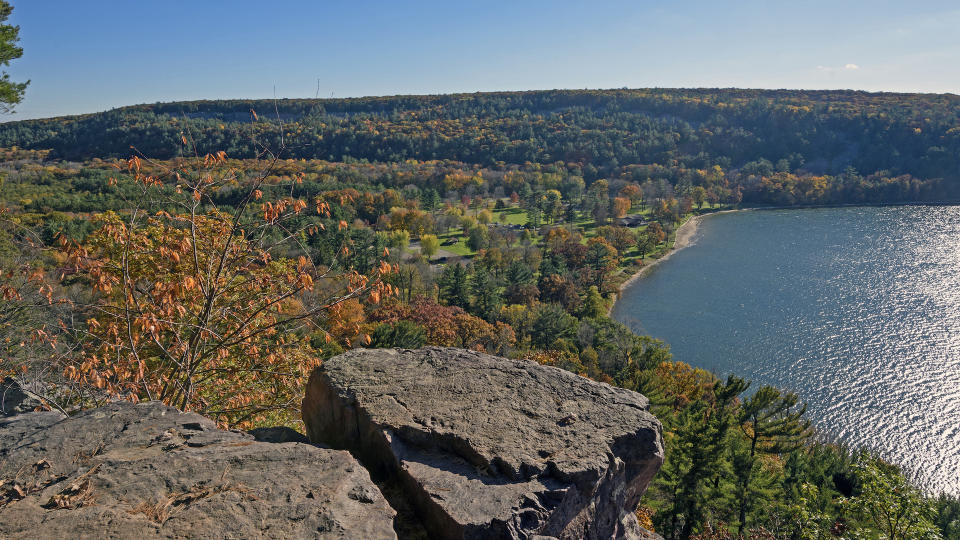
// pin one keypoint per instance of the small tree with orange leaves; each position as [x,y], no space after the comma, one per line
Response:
[621,205]
[205,307]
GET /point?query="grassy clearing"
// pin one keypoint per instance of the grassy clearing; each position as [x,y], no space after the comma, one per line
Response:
[460,248]
[630,261]
[514,216]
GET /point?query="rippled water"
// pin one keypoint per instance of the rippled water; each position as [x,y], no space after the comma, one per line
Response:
[855,309]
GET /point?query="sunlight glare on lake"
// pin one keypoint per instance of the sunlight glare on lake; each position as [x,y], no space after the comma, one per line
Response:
[855,309]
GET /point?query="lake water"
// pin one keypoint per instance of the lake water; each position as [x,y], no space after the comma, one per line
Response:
[855,309]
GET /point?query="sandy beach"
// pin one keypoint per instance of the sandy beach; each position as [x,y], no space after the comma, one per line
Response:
[684,238]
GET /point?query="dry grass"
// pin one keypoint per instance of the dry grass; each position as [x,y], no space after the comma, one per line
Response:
[85,457]
[159,512]
[15,489]
[78,493]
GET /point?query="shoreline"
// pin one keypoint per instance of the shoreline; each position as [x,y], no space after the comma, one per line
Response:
[824,431]
[682,239]
[686,232]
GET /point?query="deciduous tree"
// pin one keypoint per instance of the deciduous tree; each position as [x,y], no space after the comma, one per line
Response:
[621,205]
[898,510]
[429,244]
[193,307]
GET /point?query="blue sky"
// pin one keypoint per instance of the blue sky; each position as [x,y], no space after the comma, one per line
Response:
[98,54]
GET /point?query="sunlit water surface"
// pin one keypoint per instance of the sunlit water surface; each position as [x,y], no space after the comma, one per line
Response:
[855,309]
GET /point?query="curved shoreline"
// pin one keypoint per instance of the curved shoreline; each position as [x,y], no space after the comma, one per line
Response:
[683,238]
[686,232]
[827,430]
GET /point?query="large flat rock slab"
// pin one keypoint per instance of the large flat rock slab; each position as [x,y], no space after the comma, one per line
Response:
[149,471]
[488,447]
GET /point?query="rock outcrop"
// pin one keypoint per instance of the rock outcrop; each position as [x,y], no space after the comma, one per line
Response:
[487,447]
[466,445]
[149,471]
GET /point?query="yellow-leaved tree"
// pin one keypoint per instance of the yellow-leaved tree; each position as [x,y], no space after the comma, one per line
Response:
[209,306]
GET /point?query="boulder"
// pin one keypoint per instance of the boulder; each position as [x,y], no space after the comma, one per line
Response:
[149,471]
[487,447]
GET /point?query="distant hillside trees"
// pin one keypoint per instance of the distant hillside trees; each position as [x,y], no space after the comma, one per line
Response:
[758,132]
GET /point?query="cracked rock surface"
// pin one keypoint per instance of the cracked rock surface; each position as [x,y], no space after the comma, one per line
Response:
[486,447]
[149,471]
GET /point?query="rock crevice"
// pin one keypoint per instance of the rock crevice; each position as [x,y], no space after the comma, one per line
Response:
[487,447]
[466,446]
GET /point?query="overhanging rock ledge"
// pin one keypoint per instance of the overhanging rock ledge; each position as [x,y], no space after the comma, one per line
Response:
[487,447]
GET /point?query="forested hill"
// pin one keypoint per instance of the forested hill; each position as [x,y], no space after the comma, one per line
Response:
[820,132]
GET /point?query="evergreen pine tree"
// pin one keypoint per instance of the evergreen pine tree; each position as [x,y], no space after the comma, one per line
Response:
[695,464]
[454,286]
[11,93]
[773,423]
[486,295]
[593,304]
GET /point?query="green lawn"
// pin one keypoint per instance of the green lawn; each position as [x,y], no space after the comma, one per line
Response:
[515,216]
[587,227]
[460,248]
